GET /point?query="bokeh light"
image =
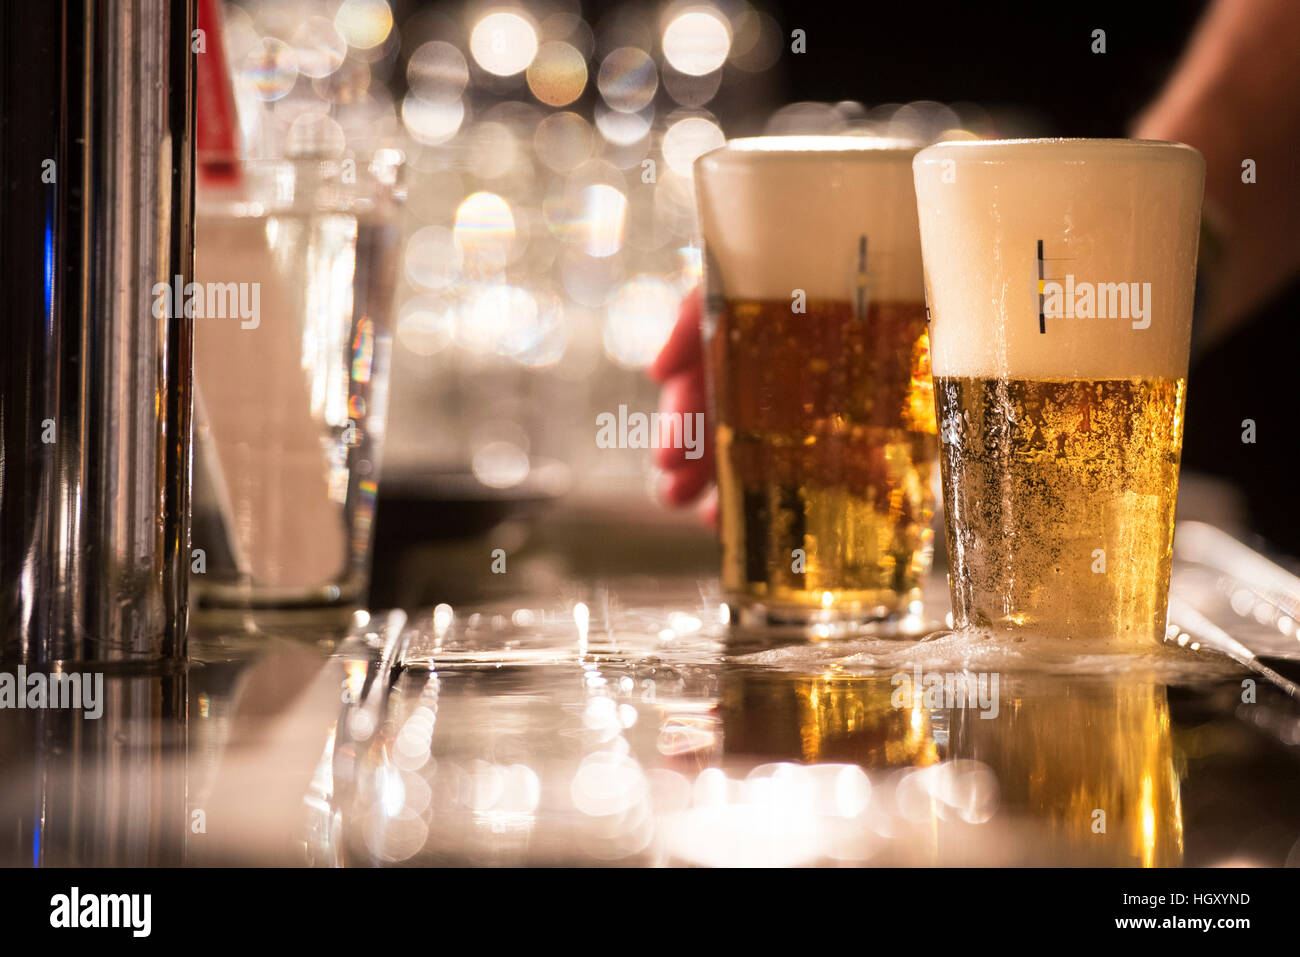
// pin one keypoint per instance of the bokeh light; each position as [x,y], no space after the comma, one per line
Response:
[499,318]
[500,464]
[796,119]
[437,72]
[563,141]
[319,47]
[431,122]
[558,74]
[697,42]
[604,212]
[922,121]
[689,138]
[503,43]
[364,24]
[271,69]
[638,320]
[484,231]
[627,79]
[623,129]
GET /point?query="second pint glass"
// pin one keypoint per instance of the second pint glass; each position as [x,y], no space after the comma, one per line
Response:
[818,361]
[1059,276]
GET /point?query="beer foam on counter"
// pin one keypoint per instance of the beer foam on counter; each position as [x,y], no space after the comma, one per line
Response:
[780,213]
[1119,222]
[1017,655]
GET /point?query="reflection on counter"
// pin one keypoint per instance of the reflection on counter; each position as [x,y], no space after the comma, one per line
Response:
[828,718]
[1088,763]
[106,791]
[604,731]
[573,741]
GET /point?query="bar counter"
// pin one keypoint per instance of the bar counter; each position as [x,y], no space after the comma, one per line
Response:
[595,711]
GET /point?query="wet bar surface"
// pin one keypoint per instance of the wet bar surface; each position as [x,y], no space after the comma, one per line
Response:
[613,724]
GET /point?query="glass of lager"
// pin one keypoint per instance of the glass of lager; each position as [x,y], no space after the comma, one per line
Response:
[1059,279]
[818,364]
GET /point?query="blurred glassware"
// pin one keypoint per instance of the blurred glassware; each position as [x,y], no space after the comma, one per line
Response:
[292,386]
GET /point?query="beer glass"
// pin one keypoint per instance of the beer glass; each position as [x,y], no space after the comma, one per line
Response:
[817,355]
[1059,280]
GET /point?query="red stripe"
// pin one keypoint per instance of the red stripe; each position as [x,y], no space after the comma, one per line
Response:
[217,120]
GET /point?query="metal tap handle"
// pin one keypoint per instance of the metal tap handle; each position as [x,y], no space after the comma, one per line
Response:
[95,389]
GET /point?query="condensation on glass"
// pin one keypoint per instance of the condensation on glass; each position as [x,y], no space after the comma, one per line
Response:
[818,362]
[1059,276]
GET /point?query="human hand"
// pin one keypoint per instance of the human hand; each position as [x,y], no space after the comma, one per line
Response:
[679,368]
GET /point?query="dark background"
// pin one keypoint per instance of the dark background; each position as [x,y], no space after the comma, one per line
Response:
[1035,57]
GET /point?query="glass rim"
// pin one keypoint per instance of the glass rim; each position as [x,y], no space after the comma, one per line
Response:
[1058,147]
[848,145]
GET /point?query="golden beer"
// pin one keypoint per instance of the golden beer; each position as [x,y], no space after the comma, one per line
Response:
[1059,276]
[825,452]
[1060,496]
[819,376]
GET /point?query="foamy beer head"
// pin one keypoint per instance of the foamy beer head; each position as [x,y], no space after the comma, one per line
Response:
[1053,259]
[786,213]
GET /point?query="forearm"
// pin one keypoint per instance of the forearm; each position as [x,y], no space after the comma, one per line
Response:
[1235,95]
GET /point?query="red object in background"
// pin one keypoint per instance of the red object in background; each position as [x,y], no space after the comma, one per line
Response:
[216,116]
